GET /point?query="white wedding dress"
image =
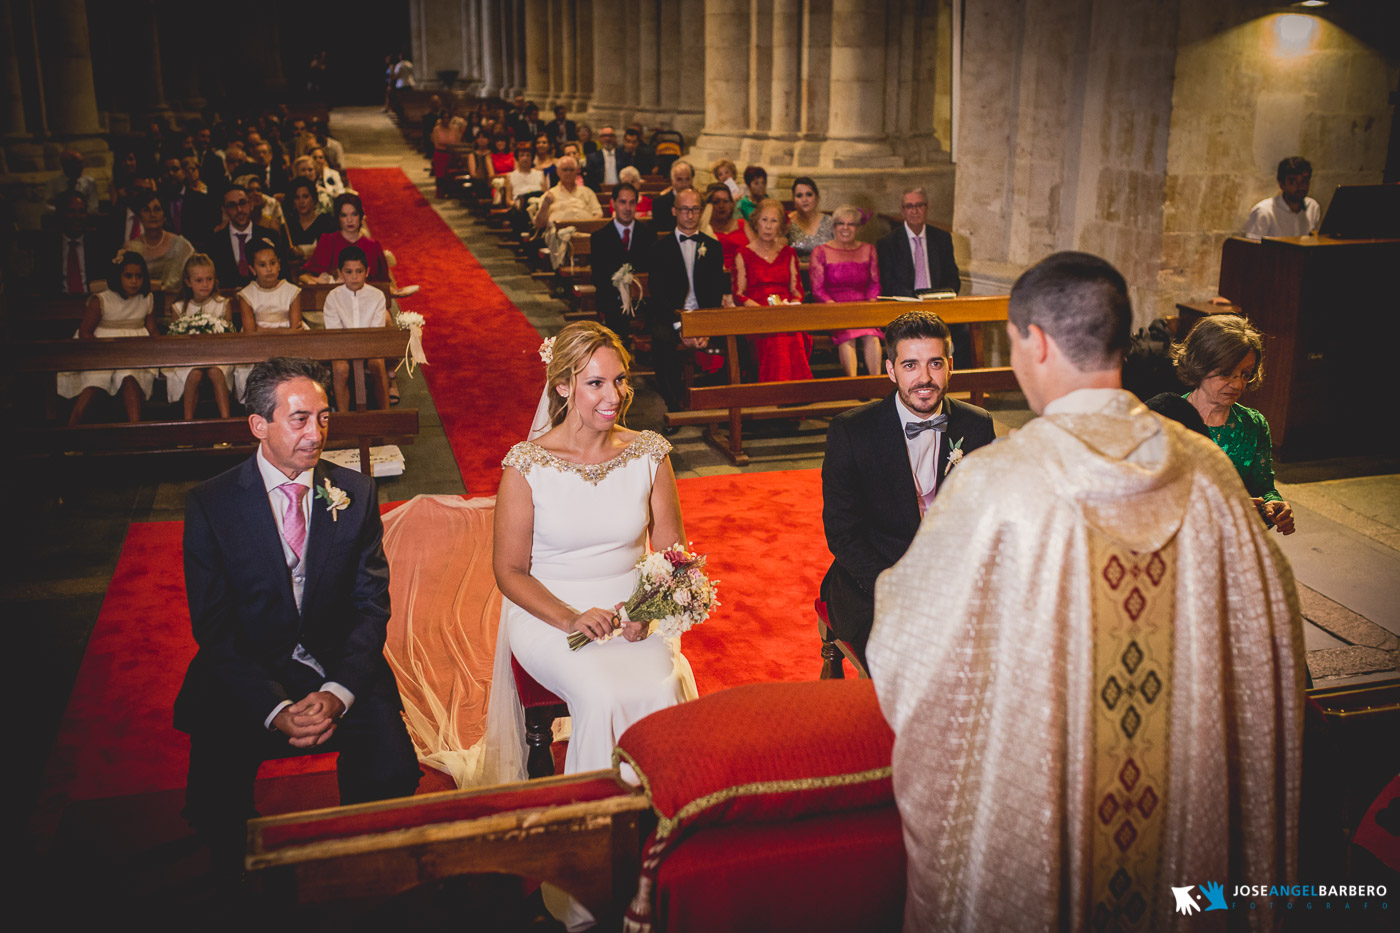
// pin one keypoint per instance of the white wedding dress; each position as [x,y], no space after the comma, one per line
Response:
[590,528]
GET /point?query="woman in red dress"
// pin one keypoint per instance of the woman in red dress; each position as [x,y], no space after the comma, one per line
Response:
[767,268]
[723,224]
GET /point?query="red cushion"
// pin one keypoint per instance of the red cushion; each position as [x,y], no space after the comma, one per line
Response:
[531,693]
[763,752]
[419,812]
[844,871]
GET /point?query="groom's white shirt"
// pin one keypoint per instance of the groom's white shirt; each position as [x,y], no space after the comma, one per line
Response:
[273,478]
[923,448]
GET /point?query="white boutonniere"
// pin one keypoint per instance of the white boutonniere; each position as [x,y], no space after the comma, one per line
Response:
[335,499]
[955,455]
[701,250]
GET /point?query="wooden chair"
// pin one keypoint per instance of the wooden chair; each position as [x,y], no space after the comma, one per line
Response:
[541,709]
[835,648]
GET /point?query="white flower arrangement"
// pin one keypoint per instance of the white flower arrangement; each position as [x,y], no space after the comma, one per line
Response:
[672,593]
[198,323]
[955,455]
[336,499]
[407,320]
[547,351]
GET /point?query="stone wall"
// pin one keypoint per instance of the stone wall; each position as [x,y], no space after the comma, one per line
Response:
[1249,92]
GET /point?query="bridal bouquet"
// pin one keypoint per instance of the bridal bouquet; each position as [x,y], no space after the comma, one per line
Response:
[672,593]
[197,323]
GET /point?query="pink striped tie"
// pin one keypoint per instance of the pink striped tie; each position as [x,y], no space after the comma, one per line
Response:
[293,519]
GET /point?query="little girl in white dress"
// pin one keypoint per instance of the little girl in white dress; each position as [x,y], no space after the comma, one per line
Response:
[199,296]
[124,309]
[269,302]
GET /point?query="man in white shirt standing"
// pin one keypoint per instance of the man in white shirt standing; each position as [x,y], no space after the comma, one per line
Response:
[288,592]
[1290,212]
[357,304]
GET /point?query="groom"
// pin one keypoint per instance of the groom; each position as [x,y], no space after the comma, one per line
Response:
[289,598]
[884,463]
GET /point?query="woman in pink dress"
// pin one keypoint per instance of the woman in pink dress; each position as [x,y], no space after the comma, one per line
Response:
[845,270]
[765,268]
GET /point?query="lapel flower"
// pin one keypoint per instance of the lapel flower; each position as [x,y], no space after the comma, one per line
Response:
[955,455]
[335,498]
[701,250]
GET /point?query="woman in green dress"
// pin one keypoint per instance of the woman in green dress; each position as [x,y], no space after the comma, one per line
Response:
[1221,358]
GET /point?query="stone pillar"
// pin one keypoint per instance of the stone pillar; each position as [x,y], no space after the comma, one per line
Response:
[72,102]
[537,51]
[670,46]
[855,135]
[648,63]
[784,96]
[566,82]
[760,49]
[180,54]
[726,80]
[815,81]
[153,103]
[584,56]
[22,154]
[629,37]
[492,28]
[610,67]
[518,66]
[689,51]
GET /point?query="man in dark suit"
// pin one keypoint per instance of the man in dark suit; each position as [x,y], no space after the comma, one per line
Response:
[634,153]
[602,164]
[885,461]
[230,245]
[687,272]
[562,129]
[68,259]
[682,179]
[268,166]
[915,257]
[189,213]
[527,125]
[288,590]
[625,240]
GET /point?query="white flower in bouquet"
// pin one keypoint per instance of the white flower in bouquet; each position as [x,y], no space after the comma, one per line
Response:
[407,320]
[672,593]
[413,354]
[198,323]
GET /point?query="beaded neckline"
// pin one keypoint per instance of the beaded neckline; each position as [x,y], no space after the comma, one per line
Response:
[527,454]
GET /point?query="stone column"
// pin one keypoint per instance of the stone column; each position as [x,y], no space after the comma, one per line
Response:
[153,103]
[516,46]
[610,67]
[648,63]
[784,97]
[72,101]
[689,52]
[726,80]
[630,38]
[537,51]
[670,44]
[492,76]
[760,48]
[180,54]
[855,134]
[471,46]
[22,154]
[816,81]
[566,81]
[584,59]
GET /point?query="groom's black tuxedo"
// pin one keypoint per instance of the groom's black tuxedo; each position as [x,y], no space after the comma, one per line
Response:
[870,506]
[668,287]
[245,620]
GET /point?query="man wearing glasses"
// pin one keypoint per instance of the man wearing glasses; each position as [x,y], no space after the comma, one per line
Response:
[230,244]
[916,258]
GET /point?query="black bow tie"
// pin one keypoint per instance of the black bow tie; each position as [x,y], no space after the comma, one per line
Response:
[913,429]
[682,237]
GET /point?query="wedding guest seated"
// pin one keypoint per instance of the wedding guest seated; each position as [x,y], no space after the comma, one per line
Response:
[308,223]
[330,180]
[199,296]
[721,222]
[807,227]
[124,223]
[551,174]
[189,212]
[267,211]
[270,168]
[568,200]
[164,252]
[126,177]
[682,179]
[562,129]
[1221,359]
[522,184]
[72,178]
[603,164]
[67,260]
[843,269]
[756,185]
[268,304]
[236,161]
[479,159]
[585,139]
[305,168]
[356,303]
[123,309]
[439,144]
[634,153]
[628,174]
[230,244]
[324,262]
[502,161]
[885,462]
[767,269]
[726,173]
[624,241]
[916,257]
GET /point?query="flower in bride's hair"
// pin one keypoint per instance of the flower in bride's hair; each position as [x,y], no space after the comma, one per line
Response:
[547,351]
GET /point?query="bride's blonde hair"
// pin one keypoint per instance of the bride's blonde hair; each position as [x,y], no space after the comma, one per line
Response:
[574,346]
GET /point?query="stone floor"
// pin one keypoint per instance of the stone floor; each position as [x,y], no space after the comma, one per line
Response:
[70,518]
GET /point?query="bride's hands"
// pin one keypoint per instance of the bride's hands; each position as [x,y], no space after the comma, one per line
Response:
[635,631]
[595,623]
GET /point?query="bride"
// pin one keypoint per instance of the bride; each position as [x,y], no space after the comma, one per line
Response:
[575,510]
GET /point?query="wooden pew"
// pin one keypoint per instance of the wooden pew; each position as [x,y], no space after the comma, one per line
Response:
[580,832]
[732,403]
[45,359]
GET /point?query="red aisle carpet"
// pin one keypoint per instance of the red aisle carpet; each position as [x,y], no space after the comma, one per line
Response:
[762,531]
[481,350]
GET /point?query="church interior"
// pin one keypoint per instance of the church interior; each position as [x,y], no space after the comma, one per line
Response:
[1139,131]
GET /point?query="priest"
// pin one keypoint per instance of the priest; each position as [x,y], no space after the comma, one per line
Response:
[1091,656]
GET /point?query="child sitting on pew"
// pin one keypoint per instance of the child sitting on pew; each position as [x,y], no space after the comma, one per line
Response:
[268,304]
[355,303]
[124,309]
[199,295]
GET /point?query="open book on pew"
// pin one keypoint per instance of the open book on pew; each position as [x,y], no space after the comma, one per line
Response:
[383,461]
[928,294]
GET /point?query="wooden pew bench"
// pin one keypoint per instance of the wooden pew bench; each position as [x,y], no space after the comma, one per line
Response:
[580,832]
[733,403]
[42,360]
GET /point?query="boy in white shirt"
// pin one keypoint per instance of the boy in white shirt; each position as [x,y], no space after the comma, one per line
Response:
[356,303]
